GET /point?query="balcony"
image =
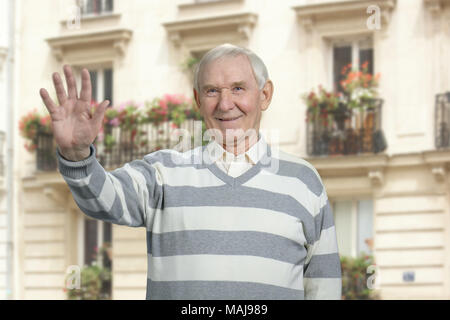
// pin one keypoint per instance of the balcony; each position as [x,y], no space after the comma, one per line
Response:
[442,120]
[350,132]
[121,145]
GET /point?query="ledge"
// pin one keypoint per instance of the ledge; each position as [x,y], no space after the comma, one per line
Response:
[108,43]
[195,4]
[374,165]
[435,6]
[349,161]
[310,14]
[437,156]
[370,165]
[237,25]
[88,22]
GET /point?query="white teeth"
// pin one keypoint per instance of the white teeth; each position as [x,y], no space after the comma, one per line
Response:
[228,119]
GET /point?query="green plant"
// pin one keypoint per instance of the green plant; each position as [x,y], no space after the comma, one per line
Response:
[95,281]
[128,116]
[355,277]
[359,86]
[358,91]
[190,63]
[321,105]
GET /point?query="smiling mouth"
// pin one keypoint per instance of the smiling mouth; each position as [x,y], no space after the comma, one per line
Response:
[228,119]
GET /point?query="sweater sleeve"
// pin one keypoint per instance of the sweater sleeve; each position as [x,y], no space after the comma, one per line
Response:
[322,270]
[129,195]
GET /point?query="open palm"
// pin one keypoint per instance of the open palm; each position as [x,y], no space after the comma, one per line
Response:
[75,127]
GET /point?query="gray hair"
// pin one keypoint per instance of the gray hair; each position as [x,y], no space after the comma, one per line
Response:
[226,50]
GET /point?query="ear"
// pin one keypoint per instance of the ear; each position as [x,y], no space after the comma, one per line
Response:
[266,95]
[197,99]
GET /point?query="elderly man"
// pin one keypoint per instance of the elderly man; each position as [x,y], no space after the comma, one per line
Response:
[222,221]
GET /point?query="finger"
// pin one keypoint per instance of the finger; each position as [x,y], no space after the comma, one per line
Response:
[86,88]
[59,87]
[51,106]
[71,83]
[99,112]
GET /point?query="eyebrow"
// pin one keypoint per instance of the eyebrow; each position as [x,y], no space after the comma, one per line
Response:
[234,84]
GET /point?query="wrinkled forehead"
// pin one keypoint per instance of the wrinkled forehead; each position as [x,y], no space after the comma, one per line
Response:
[227,69]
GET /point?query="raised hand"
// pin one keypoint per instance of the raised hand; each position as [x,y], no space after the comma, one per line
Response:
[75,127]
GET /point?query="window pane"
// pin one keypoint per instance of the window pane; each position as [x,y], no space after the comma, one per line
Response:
[342,56]
[108,86]
[342,212]
[89,7]
[90,240]
[107,243]
[94,84]
[98,6]
[366,55]
[109,5]
[365,225]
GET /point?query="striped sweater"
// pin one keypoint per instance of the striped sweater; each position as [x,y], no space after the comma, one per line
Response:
[267,234]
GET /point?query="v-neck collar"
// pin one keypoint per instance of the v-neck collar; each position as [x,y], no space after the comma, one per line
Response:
[247,175]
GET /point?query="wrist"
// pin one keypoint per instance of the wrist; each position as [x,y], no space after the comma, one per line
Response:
[75,155]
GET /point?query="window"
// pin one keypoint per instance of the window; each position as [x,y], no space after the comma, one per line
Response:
[354,226]
[95,7]
[102,84]
[96,245]
[355,52]
[96,235]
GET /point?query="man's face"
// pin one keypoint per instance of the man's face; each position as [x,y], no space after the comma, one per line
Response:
[229,97]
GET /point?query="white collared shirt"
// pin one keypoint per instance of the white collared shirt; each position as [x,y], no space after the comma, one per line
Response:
[239,164]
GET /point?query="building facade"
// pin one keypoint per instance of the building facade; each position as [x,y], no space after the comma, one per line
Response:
[393,204]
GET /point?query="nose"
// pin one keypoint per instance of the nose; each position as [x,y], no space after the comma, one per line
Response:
[225,100]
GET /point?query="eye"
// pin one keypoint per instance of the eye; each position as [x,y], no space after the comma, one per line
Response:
[238,88]
[211,91]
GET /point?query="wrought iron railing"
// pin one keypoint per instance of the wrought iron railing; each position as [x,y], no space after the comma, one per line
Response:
[2,146]
[442,120]
[135,143]
[120,145]
[351,131]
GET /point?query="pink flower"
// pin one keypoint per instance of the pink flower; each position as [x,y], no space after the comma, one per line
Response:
[174,98]
[163,104]
[114,122]
[121,107]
